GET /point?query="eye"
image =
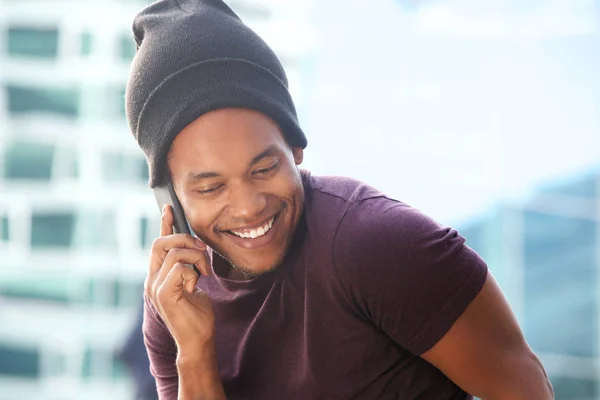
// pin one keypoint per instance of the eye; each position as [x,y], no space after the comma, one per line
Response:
[209,190]
[264,171]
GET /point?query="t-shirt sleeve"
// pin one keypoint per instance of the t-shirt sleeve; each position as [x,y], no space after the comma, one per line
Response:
[162,352]
[409,275]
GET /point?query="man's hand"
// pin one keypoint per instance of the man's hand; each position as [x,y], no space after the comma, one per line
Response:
[186,310]
[170,285]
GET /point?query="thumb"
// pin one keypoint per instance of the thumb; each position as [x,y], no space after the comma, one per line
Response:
[190,282]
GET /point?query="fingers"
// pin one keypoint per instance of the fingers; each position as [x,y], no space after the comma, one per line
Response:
[181,250]
[163,244]
[166,221]
[185,256]
[179,278]
[172,251]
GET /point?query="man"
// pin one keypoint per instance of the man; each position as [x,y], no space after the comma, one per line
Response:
[311,287]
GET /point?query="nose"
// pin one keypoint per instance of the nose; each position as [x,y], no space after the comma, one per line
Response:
[246,202]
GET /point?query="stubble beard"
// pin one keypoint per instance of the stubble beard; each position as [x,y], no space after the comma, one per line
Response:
[246,270]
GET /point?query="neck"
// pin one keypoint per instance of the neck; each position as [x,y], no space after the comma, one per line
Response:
[225,269]
[237,275]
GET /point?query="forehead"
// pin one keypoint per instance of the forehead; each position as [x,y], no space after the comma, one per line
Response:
[224,138]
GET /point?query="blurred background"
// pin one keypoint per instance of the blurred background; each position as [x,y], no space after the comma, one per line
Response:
[483,114]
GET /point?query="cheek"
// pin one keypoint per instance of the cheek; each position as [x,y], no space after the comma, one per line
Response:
[200,216]
[289,181]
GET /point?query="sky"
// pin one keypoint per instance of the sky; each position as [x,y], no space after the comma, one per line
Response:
[453,106]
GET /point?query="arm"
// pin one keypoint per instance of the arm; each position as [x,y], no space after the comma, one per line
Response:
[182,374]
[199,373]
[178,320]
[486,354]
[162,352]
[434,296]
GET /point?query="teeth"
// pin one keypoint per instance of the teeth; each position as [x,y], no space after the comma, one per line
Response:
[254,233]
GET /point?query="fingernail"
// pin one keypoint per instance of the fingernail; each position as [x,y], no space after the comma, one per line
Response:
[164,209]
[199,243]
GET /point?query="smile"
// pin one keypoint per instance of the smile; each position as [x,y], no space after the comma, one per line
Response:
[255,232]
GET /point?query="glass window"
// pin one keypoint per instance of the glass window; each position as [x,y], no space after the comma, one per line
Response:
[4,228]
[112,293]
[86,44]
[66,163]
[96,230]
[102,291]
[56,364]
[119,167]
[117,287]
[113,106]
[86,367]
[574,389]
[33,42]
[52,229]
[128,294]
[73,166]
[23,100]
[50,288]
[28,161]
[127,48]
[143,170]
[116,370]
[485,235]
[21,362]
[474,236]
[583,187]
[100,363]
[121,103]
[149,230]
[144,233]
[559,258]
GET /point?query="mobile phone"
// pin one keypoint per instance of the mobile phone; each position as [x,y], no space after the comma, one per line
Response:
[166,195]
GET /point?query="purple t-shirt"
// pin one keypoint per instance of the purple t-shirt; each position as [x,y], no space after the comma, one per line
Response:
[368,285]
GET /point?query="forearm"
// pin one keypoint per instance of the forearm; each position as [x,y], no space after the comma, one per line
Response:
[199,375]
[529,381]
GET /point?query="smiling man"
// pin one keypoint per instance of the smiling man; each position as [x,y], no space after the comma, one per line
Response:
[237,180]
[311,287]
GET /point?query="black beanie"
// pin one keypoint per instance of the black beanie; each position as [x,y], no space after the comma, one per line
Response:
[195,56]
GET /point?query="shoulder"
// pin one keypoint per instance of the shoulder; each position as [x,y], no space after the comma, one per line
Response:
[384,243]
[348,190]
[328,199]
[409,274]
[382,223]
[350,211]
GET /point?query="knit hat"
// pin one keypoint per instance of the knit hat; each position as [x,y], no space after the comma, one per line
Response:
[196,56]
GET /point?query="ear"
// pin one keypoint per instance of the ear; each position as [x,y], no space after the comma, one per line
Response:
[298,153]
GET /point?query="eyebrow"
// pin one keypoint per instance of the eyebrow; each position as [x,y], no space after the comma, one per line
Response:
[268,152]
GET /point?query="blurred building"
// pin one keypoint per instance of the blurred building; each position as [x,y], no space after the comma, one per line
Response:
[545,253]
[76,214]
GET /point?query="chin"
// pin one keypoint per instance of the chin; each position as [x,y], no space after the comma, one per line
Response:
[256,267]
[248,266]
[254,272]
